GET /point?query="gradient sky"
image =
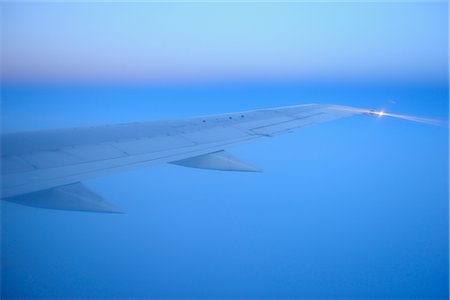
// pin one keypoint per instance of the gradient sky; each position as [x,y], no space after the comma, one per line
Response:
[204,42]
[357,208]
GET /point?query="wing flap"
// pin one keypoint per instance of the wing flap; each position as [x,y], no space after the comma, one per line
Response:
[149,145]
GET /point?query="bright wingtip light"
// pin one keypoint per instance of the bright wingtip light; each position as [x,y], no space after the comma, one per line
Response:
[373,112]
[382,113]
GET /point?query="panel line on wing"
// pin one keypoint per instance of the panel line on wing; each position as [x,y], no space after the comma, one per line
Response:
[119,165]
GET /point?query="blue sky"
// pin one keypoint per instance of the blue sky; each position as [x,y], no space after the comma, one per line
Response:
[216,42]
[357,208]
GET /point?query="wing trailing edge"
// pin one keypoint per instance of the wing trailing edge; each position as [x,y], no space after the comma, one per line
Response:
[221,161]
[74,197]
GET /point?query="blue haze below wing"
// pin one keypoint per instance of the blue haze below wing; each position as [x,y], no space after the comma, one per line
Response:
[356,208]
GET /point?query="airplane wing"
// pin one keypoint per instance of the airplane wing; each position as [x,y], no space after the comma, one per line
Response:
[45,168]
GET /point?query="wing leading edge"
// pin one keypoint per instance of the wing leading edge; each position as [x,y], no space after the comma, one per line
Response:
[50,164]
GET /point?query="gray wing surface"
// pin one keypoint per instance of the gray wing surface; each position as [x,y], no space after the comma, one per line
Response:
[51,164]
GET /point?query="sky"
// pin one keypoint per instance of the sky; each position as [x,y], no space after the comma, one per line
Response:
[356,208]
[199,42]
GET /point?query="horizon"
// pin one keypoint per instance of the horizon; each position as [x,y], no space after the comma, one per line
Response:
[355,208]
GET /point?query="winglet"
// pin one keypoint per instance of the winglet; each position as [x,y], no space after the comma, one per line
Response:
[75,197]
[220,160]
